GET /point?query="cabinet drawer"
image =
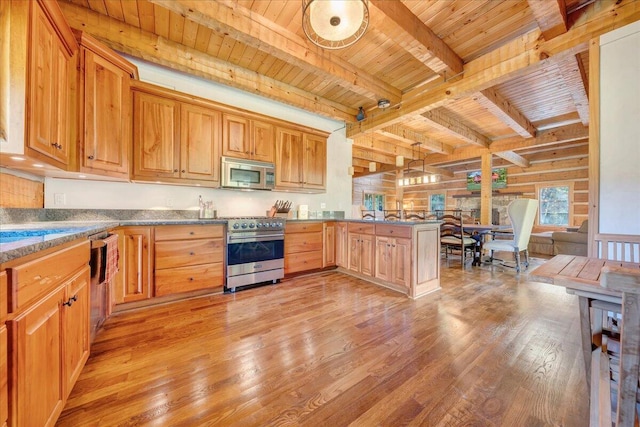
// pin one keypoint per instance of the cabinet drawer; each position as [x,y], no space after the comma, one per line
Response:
[35,278]
[303,242]
[294,263]
[185,279]
[303,227]
[178,232]
[182,253]
[356,227]
[393,230]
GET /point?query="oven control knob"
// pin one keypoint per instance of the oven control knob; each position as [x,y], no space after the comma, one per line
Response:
[251,225]
[236,226]
[259,225]
[279,224]
[244,225]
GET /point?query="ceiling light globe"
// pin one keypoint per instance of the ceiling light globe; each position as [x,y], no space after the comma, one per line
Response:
[334,24]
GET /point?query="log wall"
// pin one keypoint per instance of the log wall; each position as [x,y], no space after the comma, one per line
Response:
[18,192]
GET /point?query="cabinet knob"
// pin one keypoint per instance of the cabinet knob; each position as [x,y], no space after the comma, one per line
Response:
[90,157]
[192,253]
[191,279]
[175,170]
[183,171]
[56,145]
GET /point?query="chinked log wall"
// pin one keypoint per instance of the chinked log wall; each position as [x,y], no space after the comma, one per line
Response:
[567,163]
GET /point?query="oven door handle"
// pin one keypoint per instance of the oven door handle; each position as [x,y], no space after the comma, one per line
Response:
[249,239]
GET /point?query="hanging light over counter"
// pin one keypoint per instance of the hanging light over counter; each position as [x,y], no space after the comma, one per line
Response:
[335,24]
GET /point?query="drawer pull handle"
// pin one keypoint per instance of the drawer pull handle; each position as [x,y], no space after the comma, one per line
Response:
[191,279]
[191,233]
[71,300]
[192,253]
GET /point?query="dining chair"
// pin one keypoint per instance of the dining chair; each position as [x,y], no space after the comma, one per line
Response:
[522,213]
[454,237]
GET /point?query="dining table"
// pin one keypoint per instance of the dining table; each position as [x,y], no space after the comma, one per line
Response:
[479,233]
[602,286]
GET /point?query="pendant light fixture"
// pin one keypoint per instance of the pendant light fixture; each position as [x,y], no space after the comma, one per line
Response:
[414,176]
[335,24]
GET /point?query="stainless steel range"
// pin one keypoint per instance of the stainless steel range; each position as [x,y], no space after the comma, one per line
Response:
[255,251]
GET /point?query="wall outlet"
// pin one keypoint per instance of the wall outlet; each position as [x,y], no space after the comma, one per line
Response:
[323,205]
[59,199]
[169,202]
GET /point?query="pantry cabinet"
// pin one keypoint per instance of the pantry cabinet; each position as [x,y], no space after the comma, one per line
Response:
[175,141]
[37,115]
[134,279]
[301,160]
[247,138]
[104,108]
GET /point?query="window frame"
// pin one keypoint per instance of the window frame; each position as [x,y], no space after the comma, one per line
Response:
[437,193]
[374,197]
[570,196]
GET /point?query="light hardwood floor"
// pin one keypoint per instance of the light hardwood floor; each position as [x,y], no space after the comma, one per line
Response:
[489,349]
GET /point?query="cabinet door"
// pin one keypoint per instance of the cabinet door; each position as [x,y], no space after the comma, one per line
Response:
[342,245]
[235,136]
[133,281]
[315,161]
[61,120]
[401,258]
[329,258]
[354,252]
[289,158]
[200,142]
[155,130]
[383,258]
[4,376]
[106,116]
[263,145]
[42,88]
[75,326]
[37,362]
[367,255]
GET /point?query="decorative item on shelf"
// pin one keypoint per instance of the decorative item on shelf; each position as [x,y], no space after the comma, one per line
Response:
[280,209]
[335,24]
[360,116]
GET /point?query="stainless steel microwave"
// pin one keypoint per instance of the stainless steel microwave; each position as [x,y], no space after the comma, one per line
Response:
[247,174]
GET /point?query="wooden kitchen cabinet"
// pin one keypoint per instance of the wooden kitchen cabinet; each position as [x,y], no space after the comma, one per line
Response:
[49,329]
[104,104]
[303,250]
[247,138]
[393,260]
[156,151]
[342,245]
[174,140]
[329,244]
[361,248]
[37,83]
[134,280]
[4,354]
[189,258]
[301,160]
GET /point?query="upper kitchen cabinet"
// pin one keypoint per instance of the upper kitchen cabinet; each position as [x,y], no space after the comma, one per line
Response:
[247,138]
[36,82]
[104,103]
[175,140]
[301,160]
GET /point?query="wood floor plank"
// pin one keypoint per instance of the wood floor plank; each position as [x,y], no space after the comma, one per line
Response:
[490,349]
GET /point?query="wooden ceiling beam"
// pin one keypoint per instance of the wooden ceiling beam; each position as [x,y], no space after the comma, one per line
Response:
[405,134]
[158,50]
[387,147]
[514,158]
[568,133]
[256,31]
[500,107]
[551,17]
[516,58]
[424,44]
[439,119]
[573,76]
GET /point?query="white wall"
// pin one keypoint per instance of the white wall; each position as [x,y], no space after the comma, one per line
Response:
[620,131]
[81,194]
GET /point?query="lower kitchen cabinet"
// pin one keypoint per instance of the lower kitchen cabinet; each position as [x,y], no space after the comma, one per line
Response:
[4,377]
[342,244]
[393,261]
[361,248]
[188,258]
[49,330]
[135,266]
[303,250]
[329,244]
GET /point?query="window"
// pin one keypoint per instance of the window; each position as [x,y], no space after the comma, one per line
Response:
[436,202]
[554,205]
[373,201]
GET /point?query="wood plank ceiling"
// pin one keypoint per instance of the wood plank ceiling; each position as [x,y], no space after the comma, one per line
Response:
[464,77]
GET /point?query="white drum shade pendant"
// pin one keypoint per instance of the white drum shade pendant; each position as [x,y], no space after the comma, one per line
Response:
[335,24]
